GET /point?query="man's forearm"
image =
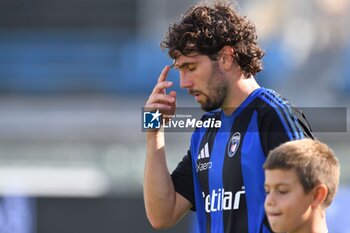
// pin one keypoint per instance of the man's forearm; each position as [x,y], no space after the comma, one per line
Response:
[159,193]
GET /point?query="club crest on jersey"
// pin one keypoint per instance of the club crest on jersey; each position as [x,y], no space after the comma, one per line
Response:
[233,144]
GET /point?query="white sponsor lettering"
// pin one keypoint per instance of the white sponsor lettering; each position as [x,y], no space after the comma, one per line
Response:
[203,166]
[220,200]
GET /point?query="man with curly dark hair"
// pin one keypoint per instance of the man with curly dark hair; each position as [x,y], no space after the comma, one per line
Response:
[221,177]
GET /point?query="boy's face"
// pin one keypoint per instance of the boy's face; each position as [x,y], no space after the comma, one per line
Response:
[287,206]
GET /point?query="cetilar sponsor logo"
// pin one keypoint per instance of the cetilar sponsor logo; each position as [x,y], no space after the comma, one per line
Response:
[204,154]
[220,200]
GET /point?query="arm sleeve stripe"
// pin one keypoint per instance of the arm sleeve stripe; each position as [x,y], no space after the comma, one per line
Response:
[279,113]
[285,116]
[287,105]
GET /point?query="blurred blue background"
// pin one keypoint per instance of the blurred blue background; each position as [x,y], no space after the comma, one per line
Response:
[75,74]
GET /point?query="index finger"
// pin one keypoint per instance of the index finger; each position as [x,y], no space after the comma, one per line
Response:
[164,74]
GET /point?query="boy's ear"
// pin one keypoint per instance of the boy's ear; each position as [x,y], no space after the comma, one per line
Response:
[319,195]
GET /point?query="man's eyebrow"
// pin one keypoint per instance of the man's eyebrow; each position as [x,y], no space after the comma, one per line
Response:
[182,65]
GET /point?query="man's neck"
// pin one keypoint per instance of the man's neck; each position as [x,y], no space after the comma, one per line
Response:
[238,92]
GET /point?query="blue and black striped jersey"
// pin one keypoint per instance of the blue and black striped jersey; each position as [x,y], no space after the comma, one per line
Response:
[222,174]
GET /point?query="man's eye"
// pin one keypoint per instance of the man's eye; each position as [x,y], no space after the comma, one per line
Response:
[191,68]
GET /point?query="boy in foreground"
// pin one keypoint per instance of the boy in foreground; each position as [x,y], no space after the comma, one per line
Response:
[302,177]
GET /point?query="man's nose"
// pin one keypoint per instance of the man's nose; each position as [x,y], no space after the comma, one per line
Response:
[185,81]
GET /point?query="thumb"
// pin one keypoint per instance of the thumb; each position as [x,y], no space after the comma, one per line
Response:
[173,94]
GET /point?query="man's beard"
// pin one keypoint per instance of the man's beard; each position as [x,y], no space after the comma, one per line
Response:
[217,87]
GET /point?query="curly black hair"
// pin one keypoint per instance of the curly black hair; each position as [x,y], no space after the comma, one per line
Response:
[206,29]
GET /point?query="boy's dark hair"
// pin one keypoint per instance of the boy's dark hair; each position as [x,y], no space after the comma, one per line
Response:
[313,161]
[206,29]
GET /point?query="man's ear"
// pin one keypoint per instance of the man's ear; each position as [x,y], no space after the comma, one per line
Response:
[319,194]
[227,57]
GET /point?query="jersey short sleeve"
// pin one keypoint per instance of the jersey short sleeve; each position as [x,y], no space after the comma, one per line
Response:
[281,125]
[182,178]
